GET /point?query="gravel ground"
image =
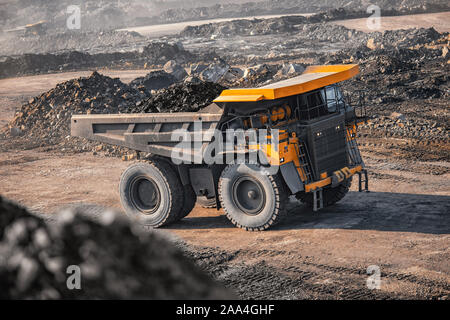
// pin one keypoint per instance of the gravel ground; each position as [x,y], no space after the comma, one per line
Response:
[400,226]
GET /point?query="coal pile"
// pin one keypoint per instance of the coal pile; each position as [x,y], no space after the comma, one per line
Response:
[161,52]
[311,26]
[180,97]
[244,27]
[410,82]
[303,41]
[405,73]
[407,38]
[407,126]
[257,27]
[45,120]
[154,80]
[153,54]
[73,60]
[260,74]
[54,41]
[37,63]
[117,260]
[9,212]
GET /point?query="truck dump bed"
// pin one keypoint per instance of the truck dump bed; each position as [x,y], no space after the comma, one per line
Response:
[153,133]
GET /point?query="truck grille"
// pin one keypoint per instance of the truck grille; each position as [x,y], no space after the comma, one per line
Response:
[327,145]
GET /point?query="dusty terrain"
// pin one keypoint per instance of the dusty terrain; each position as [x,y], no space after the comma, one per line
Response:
[440,21]
[402,225]
[160,30]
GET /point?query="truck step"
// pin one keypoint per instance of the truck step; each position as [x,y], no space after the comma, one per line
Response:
[363,178]
[317,199]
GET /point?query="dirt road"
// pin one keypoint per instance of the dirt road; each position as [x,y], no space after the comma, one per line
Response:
[440,21]
[402,226]
[160,30]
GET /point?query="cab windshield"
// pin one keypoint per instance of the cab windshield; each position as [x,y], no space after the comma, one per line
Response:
[333,97]
[320,102]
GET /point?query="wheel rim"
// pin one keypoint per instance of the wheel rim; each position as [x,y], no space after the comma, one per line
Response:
[248,195]
[145,194]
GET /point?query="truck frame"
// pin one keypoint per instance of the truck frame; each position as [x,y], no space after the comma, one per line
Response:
[249,151]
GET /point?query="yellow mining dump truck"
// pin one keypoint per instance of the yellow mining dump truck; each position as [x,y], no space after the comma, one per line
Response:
[249,150]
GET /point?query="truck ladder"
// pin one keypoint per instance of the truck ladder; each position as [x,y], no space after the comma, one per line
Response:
[353,150]
[305,164]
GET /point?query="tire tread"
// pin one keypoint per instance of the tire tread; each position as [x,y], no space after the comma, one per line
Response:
[280,211]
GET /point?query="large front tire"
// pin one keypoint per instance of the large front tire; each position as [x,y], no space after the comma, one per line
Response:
[151,193]
[252,199]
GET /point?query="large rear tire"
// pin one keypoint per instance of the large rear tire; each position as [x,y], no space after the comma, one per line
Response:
[330,195]
[151,193]
[189,197]
[189,202]
[252,200]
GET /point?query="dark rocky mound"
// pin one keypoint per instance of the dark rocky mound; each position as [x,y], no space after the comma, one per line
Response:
[410,82]
[154,80]
[161,52]
[116,260]
[31,63]
[278,25]
[409,37]
[59,40]
[155,53]
[46,118]
[181,97]
[398,74]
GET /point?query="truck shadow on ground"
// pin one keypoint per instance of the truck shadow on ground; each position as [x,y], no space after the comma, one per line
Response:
[380,211]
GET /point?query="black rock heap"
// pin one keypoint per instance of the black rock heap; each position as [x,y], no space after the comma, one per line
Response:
[116,260]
